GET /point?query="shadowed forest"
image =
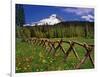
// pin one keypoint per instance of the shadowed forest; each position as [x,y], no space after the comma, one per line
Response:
[61,30]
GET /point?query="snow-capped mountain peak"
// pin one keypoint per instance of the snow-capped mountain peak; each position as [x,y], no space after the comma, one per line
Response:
[51,20]
[53,16]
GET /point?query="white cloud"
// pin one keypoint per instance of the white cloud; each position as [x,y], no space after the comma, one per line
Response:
[84,13]
[79,11]
[89,18]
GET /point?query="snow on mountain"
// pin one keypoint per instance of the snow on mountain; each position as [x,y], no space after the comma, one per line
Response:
[51,20]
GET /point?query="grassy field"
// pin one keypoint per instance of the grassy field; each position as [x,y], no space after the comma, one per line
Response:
[34,58]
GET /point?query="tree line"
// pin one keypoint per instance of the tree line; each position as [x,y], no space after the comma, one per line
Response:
[61,30]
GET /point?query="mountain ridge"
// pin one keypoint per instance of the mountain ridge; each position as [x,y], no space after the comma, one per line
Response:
[53,20]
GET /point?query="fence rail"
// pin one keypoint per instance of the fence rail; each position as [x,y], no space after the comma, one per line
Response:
[53,46]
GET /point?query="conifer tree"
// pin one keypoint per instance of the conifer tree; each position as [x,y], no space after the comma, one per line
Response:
[20,18]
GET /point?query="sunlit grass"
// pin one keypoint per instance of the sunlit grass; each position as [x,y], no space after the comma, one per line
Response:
[35,58]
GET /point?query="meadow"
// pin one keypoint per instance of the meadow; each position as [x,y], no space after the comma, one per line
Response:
[34,58]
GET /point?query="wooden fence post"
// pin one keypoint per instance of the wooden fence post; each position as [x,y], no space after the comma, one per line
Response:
[69,50]
[88,51]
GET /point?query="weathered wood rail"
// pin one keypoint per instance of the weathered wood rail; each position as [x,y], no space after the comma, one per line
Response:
[53,46]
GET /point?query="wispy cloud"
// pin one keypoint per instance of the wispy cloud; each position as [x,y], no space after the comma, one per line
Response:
[88,18]
[79,11]
[84,13]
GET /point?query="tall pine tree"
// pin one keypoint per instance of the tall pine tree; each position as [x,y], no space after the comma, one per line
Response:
[20,18]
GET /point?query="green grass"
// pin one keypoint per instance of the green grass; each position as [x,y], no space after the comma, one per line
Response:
[34,58]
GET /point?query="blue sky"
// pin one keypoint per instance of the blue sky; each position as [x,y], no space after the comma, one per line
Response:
[34,13]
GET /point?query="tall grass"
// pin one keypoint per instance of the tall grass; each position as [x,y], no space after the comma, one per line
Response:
[34,58]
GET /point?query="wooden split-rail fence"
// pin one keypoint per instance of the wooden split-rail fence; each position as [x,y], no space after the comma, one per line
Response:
[55,45]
